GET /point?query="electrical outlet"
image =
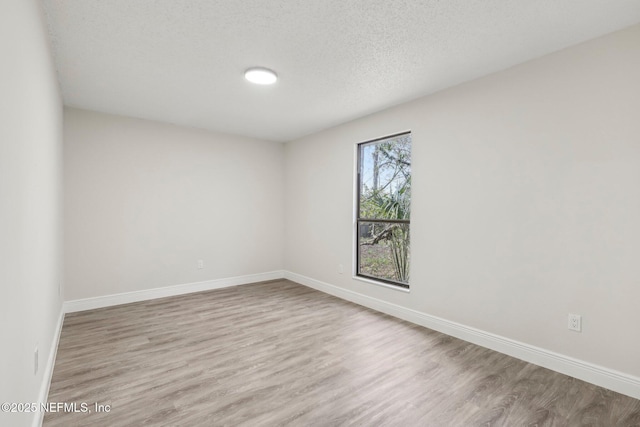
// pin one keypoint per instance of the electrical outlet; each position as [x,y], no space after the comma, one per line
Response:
[200,263]
[340,268]
[575,322]
[35,361]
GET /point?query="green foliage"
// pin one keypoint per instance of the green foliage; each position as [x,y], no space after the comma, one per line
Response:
[400,250]
[386,194]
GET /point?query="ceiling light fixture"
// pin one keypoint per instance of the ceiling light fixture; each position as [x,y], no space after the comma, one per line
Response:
[261,76]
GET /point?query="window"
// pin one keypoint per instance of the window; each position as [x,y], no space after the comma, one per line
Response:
[384,210]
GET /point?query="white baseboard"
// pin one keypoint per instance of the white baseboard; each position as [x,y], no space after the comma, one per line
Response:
[48,373]
[168,291]
[594,374]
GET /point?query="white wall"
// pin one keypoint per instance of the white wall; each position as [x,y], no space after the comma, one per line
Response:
[30,203]
[525,202]
[145,200]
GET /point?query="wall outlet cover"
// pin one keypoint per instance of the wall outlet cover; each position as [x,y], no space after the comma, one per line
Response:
[575,322]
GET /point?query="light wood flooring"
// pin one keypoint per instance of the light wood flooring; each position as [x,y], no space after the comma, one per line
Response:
[278,353]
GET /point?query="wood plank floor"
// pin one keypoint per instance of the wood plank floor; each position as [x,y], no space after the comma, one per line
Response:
[278,353]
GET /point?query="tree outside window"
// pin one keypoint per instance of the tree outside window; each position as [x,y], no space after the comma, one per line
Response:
[384,209]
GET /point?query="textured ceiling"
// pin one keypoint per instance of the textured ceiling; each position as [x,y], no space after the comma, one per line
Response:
[182,61]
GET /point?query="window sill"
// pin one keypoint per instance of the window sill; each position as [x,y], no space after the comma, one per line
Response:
[385,285]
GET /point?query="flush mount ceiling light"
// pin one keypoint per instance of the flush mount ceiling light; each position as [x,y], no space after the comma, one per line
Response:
[261,76]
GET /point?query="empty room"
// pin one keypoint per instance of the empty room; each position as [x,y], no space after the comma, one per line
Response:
[281,213]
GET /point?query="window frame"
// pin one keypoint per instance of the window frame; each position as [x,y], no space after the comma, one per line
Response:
[358,220]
